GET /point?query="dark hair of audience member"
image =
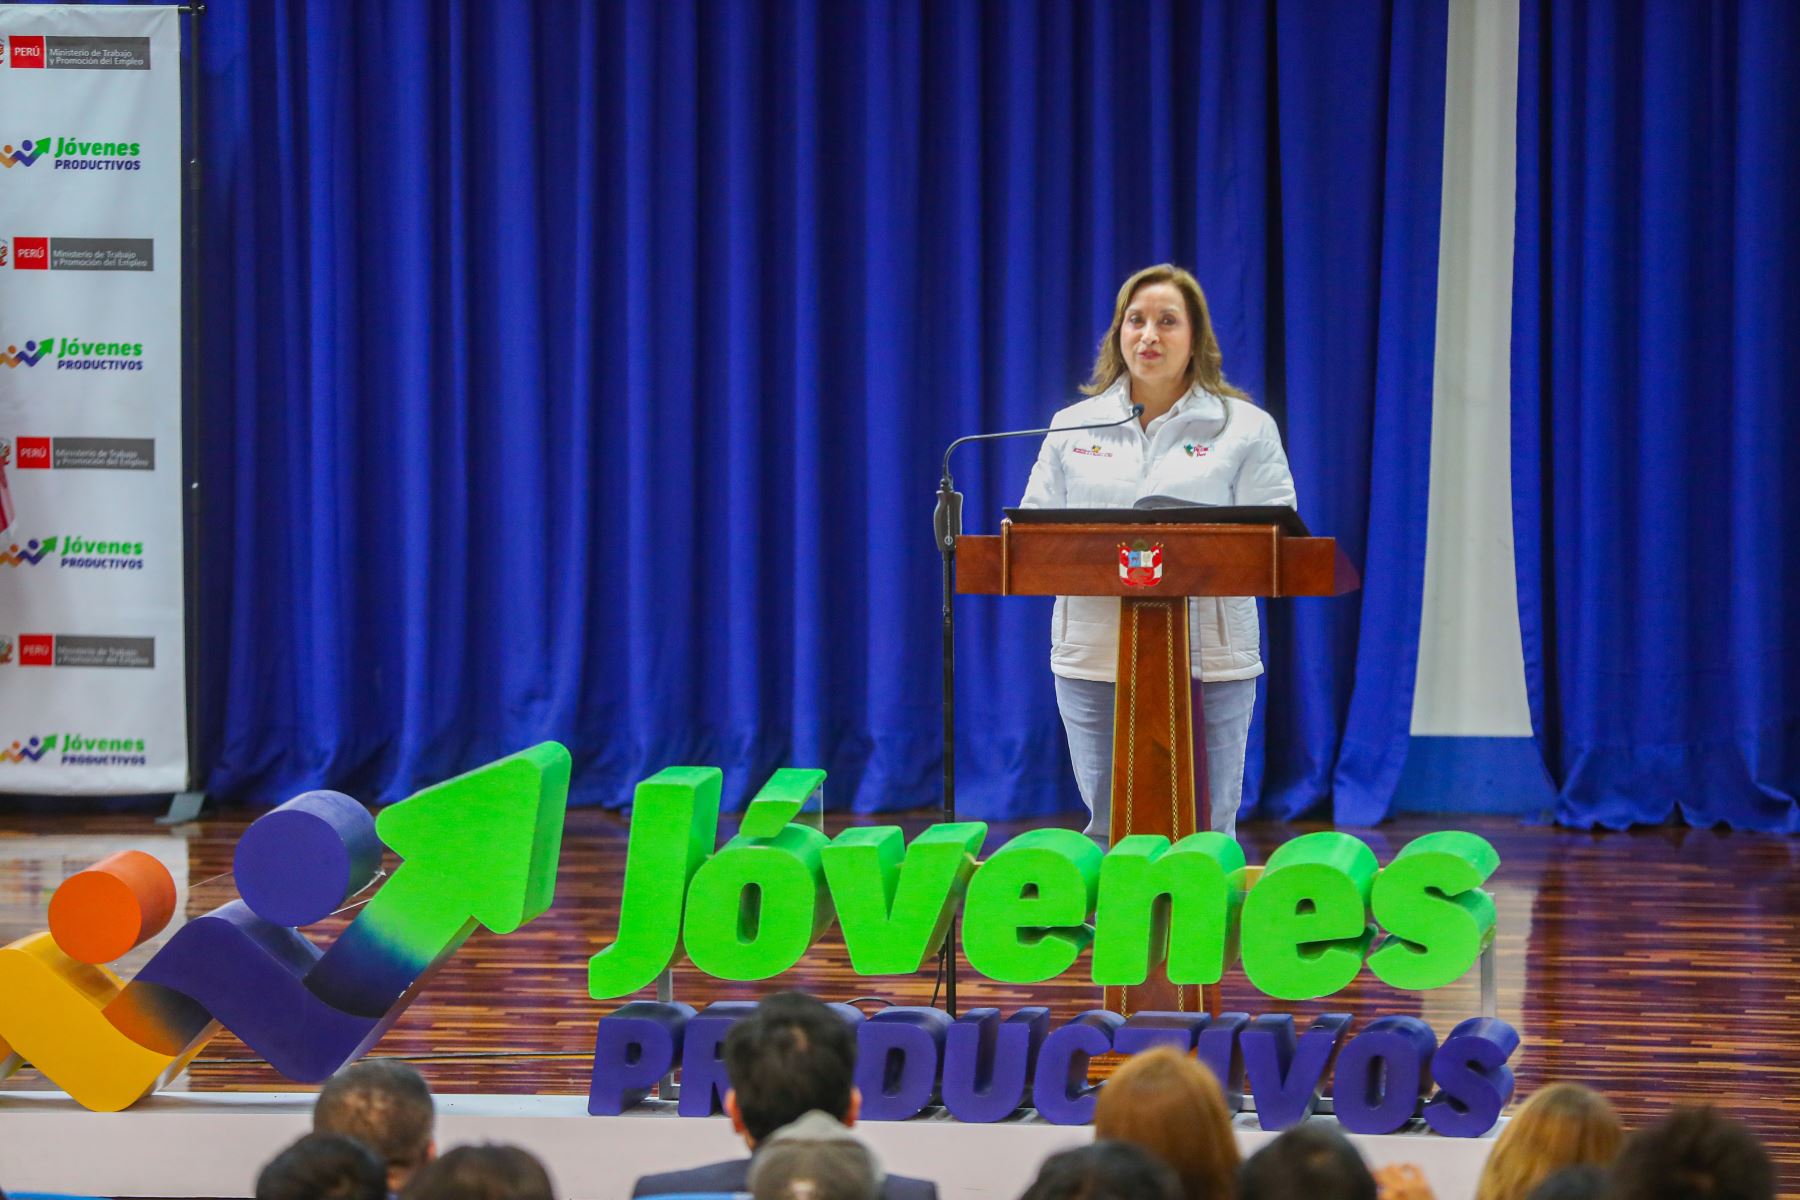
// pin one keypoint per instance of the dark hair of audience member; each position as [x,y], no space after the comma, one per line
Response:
[787,1058]
[1562,1125]
[1584,1182]
[486,1172]
[323,1166]
[1104,1171]
[1166,1102]
[813,1170]
[1693,1152]
[1307,1162]
[384,1104]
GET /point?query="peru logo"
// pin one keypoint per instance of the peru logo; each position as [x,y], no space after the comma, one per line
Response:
[1141,564]
[31,253]
[478,850]
[24,51]
[33,453]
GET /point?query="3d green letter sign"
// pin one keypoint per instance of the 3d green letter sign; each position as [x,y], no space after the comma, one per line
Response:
[1321,908]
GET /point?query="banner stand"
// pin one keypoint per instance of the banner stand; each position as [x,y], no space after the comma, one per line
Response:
[185,806]
[99,402]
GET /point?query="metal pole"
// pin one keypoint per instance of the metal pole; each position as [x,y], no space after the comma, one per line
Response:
[668,1089]
[1490,985]
[947,523]
[949,806]
[186,805]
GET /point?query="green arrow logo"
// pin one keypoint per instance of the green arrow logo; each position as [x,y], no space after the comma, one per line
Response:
[480,849]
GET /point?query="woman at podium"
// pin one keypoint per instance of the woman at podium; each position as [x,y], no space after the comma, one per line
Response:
[1198,440]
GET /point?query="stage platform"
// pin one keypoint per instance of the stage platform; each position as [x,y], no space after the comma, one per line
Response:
[1662,966]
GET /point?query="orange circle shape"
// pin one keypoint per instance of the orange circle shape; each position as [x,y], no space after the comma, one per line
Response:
[121,901]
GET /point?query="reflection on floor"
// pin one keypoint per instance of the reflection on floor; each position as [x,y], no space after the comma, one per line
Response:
[1660,965]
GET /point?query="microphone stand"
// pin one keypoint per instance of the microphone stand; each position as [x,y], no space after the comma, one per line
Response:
[947,523]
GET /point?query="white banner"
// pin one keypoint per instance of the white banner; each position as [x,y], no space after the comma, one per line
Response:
[92,655]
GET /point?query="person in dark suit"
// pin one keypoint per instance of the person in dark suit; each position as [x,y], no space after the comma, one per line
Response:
[790,1057]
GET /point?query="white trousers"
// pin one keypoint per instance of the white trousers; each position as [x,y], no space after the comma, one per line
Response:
[1087,713]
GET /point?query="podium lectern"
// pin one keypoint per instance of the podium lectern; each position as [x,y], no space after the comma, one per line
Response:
[1153,569]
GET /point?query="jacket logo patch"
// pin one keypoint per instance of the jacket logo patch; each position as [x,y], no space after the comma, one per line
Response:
[1141,564]
[1195,450]
[1094,450]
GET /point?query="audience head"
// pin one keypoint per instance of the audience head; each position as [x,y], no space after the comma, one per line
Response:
[1562,1125]
[482,1173]
[1307,1162]
[809,1169]
[789,1057]
[323,1166]
[1104,1171]
[384,1104]
[1694,1152]
[1586,1182]
[1169,1104]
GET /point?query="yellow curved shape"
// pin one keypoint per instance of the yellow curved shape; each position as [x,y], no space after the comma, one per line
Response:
[53,1015]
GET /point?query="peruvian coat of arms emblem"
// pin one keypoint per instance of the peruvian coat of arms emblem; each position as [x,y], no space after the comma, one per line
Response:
[1141,564]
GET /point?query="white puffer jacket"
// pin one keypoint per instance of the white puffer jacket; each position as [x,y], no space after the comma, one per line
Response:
[1207,449]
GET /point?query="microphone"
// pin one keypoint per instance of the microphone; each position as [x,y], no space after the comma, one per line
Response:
[948,518]
[948,522]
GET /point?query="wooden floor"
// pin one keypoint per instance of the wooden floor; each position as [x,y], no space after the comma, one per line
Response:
[1662,966]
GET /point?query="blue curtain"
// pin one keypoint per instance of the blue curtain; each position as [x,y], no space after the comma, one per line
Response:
[1348,328]
[1656,447]
[580,371]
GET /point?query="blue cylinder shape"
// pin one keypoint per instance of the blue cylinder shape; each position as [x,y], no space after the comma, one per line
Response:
[298,863]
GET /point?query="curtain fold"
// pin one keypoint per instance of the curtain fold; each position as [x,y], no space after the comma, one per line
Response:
[1360,108]
[581,371]
[1656,451]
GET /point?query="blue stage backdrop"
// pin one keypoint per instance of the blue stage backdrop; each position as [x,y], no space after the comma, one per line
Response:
[581,371]
[1656,446]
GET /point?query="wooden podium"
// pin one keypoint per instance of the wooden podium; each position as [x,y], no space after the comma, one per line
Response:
[1153,569]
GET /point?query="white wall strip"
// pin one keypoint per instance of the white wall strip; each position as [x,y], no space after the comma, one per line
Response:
[1471,676]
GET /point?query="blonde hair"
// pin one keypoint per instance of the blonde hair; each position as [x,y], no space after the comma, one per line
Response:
[1563,1125]
[1165,1102]
[1206,367]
